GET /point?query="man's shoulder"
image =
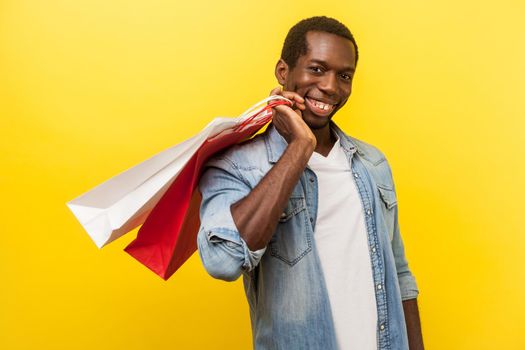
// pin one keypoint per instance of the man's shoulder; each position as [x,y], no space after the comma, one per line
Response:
[366,150]
[249,153]
[370,152]
[374,160]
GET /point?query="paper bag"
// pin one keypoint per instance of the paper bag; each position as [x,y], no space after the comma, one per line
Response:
[166,180]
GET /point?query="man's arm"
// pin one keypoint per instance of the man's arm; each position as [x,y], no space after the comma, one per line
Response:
[257,214]
[415,337]
[407,286]
[238,221]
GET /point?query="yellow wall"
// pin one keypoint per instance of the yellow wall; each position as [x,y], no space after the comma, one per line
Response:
[90,88]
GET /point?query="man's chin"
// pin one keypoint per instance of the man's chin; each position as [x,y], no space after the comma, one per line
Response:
[316,122]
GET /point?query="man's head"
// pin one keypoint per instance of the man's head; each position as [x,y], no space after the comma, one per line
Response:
[318,62]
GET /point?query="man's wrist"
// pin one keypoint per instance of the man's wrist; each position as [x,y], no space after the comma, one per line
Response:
[301,150]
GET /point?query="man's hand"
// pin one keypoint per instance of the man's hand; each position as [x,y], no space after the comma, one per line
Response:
[289,122]
[415,337]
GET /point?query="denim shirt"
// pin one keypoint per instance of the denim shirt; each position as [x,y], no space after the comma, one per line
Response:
[284,282]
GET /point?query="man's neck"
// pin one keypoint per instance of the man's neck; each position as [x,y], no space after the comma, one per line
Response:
[325,140]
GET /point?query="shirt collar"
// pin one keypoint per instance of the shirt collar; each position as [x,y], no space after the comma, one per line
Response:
[276,144]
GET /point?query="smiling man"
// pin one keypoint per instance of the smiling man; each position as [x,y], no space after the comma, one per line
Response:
[308,215]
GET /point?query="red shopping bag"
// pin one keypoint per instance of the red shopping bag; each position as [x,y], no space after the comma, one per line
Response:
[168,237]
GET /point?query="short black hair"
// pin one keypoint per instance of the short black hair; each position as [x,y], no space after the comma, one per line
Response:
[295,44]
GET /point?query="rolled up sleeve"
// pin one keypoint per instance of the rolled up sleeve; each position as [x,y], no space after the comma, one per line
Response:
[406,280]
[224,254]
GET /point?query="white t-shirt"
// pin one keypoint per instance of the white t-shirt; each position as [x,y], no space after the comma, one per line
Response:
[340,237]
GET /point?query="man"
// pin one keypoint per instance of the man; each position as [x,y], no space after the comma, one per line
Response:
[308,215]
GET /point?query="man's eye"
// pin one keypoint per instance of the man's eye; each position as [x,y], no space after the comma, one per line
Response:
[346,76]
[316,69]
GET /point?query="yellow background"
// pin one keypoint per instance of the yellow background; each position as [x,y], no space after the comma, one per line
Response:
[91,88]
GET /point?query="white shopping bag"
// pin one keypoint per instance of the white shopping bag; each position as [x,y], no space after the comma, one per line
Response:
[123,203]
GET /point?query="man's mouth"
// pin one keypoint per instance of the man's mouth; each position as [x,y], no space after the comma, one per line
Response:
[320,108]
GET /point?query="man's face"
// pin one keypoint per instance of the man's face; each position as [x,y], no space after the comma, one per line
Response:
[323,76]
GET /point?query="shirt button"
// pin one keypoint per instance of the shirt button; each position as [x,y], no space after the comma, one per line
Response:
[373,249]
[312,220]
[379,286]
[283,215]
[368,212]
[382,327]
[312,179]
[356,175]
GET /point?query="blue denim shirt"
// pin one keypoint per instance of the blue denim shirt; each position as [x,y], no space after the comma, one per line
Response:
[284,282]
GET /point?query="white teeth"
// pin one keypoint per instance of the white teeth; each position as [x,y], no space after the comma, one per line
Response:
[321,105]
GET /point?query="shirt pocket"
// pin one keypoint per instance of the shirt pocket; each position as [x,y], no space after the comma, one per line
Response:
[388,203]
[388,196]
[292,239]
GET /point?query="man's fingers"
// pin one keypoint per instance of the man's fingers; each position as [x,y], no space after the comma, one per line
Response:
[276,91]
[296,99]
[300,106]
[293,96]
[298,111]
[285,110]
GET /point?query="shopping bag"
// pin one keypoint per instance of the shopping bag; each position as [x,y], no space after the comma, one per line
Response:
[122,203]
[125,201]
[168,237]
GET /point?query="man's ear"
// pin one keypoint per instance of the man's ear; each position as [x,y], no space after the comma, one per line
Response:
[281,71]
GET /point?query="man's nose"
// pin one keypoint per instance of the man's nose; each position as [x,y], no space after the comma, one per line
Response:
[328,83]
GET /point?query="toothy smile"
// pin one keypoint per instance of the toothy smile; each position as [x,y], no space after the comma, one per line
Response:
[319,107]
[320,104]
